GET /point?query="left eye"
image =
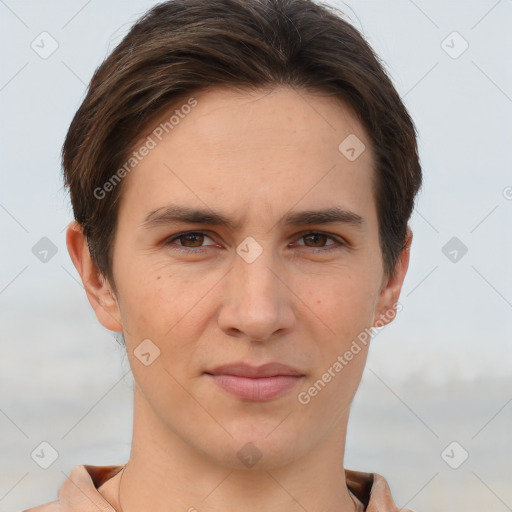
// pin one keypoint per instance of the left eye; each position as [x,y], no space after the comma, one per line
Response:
[191,239]
[317,240]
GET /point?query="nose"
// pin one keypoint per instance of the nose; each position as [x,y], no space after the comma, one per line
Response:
[257,302]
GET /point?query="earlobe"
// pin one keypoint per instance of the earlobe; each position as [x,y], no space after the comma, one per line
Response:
[390,293]
[98,289]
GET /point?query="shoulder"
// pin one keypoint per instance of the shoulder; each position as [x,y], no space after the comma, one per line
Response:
[372,490]
[80,490]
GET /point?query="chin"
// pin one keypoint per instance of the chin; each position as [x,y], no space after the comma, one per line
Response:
[258,446]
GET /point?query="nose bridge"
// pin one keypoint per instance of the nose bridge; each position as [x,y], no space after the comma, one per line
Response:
[255,278]
[256,282]
[256,303]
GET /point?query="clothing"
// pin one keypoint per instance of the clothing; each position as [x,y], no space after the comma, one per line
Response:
[79,493]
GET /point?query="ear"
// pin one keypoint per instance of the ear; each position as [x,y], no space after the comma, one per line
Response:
[98,289]
[390,292]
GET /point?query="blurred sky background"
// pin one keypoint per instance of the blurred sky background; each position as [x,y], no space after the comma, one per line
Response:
[440,372]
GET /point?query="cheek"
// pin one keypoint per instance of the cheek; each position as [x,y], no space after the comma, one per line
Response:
[144,301]
[345,302]
[166,308]
[344,310]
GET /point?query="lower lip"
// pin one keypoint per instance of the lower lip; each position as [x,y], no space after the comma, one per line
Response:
[256,390]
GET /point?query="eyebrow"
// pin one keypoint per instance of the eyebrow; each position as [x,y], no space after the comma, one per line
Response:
[175,214]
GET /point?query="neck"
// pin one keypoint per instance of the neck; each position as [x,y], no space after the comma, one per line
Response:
[166,474]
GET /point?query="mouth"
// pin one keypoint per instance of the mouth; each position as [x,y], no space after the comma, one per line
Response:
[256,383]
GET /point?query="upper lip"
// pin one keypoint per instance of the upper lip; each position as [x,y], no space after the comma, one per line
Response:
[265,370]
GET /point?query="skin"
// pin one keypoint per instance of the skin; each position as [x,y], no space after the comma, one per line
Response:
[254,157]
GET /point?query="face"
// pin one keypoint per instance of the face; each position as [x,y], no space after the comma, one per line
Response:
[247,257]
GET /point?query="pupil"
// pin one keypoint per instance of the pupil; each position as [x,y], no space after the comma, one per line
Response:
[194,239]
[316,239]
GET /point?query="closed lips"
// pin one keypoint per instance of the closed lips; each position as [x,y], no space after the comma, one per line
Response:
[256,384]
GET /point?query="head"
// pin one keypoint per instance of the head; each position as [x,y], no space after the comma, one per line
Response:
[242,175]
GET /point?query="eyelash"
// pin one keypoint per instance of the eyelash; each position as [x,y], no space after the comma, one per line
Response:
[338,242]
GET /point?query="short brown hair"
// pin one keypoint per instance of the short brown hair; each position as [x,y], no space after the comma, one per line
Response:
[183,46]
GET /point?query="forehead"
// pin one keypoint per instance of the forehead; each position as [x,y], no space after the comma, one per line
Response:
[224,116]
[267,147]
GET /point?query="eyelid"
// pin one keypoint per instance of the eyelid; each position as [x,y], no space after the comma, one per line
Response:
[337,240]
[170,240]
